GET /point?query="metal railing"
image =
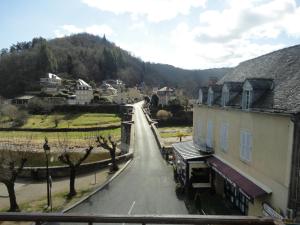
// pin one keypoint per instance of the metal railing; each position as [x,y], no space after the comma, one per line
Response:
[40,218]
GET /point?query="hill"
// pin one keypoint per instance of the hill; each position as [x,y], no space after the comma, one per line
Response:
[91,58]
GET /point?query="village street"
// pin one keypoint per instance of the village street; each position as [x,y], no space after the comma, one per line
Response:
[145,187]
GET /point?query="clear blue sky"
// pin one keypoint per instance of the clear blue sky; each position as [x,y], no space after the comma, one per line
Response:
[192,34]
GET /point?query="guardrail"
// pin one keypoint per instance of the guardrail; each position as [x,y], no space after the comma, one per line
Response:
[40,218]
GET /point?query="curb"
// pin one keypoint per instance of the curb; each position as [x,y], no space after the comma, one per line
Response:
[98,189]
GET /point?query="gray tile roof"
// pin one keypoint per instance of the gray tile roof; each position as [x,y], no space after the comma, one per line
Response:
[283,67]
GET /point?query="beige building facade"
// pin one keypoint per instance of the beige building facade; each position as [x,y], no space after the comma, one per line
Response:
[269,163]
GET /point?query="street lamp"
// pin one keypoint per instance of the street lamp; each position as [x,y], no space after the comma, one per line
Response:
[47,152]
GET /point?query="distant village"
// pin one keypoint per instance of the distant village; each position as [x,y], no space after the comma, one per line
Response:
[58,91]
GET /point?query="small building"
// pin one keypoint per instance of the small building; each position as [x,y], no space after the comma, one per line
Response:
[23,100]
[83,92]
[165,94]
[108,90]
[190,165]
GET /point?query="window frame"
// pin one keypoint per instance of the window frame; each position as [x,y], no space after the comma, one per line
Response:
[209,134]
[224,137]
[246,146]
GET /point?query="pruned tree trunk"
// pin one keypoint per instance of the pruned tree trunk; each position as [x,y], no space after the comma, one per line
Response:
[72,182]
[12,197]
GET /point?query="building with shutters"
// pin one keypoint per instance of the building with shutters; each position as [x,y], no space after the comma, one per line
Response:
[248,123]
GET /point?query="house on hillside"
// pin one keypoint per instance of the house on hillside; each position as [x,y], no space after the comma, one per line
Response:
[107,89]
[83,92]
[51,83]
[23,100]
[247,130]
[116,84]
[165,94]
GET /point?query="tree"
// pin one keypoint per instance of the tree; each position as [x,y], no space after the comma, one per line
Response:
[73,162]
[56,119]
[11,165]
[46,61]
[17,116]
[111,146]
[154,101]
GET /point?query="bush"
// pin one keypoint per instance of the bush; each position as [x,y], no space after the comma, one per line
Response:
[17,116]
[163,115]
[37,106]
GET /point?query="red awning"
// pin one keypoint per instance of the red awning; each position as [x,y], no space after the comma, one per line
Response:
[246,185]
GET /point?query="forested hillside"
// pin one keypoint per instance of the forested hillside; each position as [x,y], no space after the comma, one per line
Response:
[91,58]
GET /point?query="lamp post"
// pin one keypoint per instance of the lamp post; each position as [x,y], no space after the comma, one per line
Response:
[47,152]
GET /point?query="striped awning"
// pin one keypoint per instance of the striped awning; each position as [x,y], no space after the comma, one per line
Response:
[188,150]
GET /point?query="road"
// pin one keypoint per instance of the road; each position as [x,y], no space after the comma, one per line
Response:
[145,187]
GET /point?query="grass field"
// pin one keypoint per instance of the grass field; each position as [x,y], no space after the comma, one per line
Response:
[167,132]
[71,120]
[77,141]
[53,136]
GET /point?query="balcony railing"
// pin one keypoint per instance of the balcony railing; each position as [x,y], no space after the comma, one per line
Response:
[40,218]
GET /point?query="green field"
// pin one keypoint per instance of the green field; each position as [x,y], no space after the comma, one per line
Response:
[167,132]
[71,120]
[31,144]
[39,136]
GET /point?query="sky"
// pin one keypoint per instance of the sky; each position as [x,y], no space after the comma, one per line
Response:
[191,34]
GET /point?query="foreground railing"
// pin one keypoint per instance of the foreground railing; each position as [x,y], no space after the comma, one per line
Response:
[40,218]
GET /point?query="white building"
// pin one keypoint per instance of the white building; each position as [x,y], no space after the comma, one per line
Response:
[83,92]
[51,83]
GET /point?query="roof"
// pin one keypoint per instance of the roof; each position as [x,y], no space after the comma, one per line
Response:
[166,89]
[283,67]
[216,88]
[247,186]
[53,76]
[260,83]
[25,97]
[234,86]
[188,150]
[83,83]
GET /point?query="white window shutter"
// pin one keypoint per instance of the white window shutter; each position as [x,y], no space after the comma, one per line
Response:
[209,134]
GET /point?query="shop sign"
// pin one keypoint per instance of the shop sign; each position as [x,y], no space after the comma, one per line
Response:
[269,211]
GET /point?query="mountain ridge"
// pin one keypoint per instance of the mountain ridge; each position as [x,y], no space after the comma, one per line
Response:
[93,59]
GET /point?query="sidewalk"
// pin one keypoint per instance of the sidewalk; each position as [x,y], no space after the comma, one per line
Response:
[27,192]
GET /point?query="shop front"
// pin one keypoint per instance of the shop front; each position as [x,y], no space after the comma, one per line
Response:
[190,165]
[240,191]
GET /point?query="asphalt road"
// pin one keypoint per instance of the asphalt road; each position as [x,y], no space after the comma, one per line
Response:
[145,187]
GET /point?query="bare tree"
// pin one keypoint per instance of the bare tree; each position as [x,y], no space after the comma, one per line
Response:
[12,161]
[111,146]
[73,162]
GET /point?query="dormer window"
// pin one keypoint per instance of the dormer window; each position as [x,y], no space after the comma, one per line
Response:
[210,97]
[246,99]
[225,96]
[200,98]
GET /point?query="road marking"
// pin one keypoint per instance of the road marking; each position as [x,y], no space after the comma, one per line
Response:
[130,210]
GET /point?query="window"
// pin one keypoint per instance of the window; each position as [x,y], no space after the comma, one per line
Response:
[225,98]
[209,135]
[224,137]
[197,133]
[246,101]
[200,98]
[246,146]
[210,97]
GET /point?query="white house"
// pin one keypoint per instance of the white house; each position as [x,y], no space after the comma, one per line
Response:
[51,83]
[165,94]
[83,92]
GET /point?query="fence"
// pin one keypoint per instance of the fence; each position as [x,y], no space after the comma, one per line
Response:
[40,218]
